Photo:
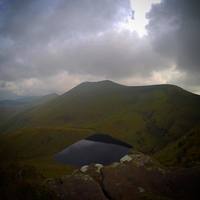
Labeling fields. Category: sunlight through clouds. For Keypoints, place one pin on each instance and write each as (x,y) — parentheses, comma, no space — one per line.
(140,8)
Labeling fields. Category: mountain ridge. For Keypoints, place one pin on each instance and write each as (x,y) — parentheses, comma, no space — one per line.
(106,83)
(150,118)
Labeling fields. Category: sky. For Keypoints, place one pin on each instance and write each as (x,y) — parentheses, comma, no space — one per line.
(49,46)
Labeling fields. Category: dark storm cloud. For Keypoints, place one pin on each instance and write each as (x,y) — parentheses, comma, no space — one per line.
(174,28)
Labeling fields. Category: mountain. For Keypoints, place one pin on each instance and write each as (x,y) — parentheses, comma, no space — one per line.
(4,95)
(160,120)
(11,107)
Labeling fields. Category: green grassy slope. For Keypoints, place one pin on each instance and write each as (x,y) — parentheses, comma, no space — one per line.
(36,147)
(10,108)
(148,117)
(183,152)
(154,113)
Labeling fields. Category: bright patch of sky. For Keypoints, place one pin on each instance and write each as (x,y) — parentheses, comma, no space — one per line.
(139,21)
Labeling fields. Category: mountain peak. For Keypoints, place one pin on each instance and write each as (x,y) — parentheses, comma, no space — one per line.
(103,82)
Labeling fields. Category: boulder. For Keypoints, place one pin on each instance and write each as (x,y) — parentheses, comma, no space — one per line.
(77,187)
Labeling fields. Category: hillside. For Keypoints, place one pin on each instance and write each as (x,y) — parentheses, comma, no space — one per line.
(11,107)
(148,117)
(162,121)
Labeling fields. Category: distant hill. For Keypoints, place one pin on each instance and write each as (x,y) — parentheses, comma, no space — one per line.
(4,95)
(154,119)
(10,107)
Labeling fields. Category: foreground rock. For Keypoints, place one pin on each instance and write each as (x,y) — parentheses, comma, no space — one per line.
(135,177)
(77,187)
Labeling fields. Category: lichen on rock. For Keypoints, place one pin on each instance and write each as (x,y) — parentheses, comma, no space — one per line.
(99,167)
(84,168)
(126,158)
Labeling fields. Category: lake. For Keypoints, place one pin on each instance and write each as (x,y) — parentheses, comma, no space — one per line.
(98,148)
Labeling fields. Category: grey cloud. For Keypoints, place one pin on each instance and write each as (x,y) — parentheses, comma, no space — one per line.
(74,36)
(42,40)
(29,27)
(112,55)
(115,55)
(174,28)
(49,18)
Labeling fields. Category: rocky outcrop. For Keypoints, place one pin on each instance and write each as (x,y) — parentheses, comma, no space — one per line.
(77,187)
(135,177)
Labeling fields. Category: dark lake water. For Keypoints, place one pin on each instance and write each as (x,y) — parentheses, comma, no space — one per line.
(103,150)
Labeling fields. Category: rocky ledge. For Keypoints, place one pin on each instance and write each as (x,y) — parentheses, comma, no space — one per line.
(135,177)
